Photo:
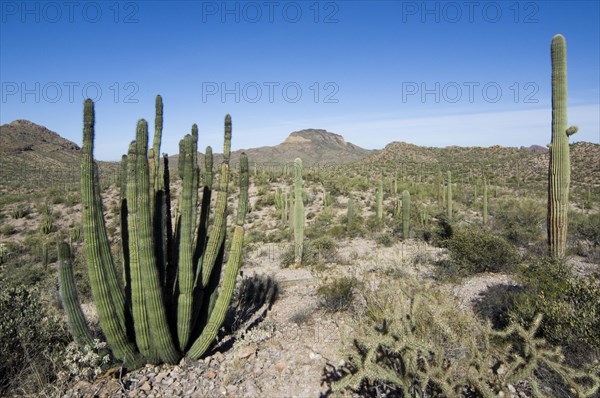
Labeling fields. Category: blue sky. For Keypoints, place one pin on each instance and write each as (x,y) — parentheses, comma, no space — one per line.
(429,73)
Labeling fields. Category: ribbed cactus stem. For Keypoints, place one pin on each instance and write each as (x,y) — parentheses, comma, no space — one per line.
(68,295)
(227,143)
(298,212)
(157,316)
(186,272)
(559,171)
(244,183)
(109,299)
(449,196)
(133,268)
(217,316)
(405,214)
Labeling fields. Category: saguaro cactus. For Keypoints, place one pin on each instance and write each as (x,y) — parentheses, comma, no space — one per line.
(170,305)
(449,196)
(298,212)
(405,214)
(559,171)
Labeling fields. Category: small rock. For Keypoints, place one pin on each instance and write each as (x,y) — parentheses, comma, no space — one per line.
(219,357)
(211,374)
(512,389)
(246,351)
(145,386)
(280,366)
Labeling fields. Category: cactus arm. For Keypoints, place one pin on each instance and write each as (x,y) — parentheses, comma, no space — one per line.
(157,318)
(138,304)
(68,294)
(109,299)
(244,182)
(218,232)
(185,265)
(217,316)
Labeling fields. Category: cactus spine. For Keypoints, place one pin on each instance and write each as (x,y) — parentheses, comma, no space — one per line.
(405,214)
(180,311)
(559,172)
(449,196)
(298,212)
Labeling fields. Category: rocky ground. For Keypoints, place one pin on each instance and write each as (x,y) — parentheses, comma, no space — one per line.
(286,353)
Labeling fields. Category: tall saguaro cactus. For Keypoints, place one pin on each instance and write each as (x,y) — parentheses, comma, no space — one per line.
(298,212)
(175,298)
(559,171)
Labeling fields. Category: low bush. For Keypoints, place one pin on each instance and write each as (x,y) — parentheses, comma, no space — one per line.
(474,250)
(569,303)
(337,295)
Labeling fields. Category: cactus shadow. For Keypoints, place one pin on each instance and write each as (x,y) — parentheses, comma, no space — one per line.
(253,298)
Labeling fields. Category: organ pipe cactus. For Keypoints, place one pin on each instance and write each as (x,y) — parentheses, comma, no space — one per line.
(174,300)
(68,294)
(298,212)
(559,171)
(405,214)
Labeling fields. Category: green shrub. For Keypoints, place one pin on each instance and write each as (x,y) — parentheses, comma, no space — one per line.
(521,221)
(337,295)
(385,239)
(7,229)
(30,339)
(569,303)
(473,250)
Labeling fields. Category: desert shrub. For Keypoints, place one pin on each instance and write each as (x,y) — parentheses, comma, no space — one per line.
(337,295)
(8,229)
(569,303)
(19,211)
(315,252)
(473,250)
(584,235)
(385,239)
(30,339)
(83,363)
(522,221)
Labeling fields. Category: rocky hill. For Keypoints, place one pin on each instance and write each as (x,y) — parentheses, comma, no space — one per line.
(33,156)
(525,164)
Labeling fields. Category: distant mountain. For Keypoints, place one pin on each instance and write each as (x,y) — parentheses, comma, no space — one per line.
(33,156)
(311,145)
